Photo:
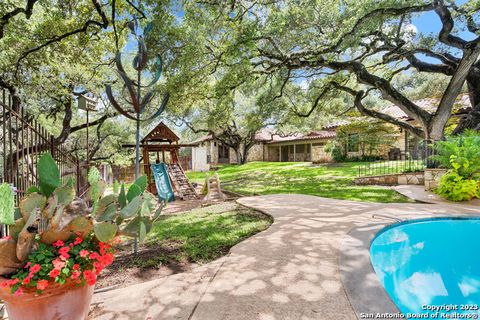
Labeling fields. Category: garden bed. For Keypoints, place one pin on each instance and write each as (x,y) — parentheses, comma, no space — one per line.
(179,242)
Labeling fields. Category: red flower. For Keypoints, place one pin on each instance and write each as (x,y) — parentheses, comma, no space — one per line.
(35,268)
(58,243)
(84,253)
(42,284)
(106,259)
(90,277)
(54,273)
(98,267)
(94,255)
(103,246)
(76,266)
(75,274)
(58,264)
(78,240)
(18,292)
(26,280)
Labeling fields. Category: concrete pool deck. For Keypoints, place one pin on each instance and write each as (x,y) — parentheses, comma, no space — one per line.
(289,271)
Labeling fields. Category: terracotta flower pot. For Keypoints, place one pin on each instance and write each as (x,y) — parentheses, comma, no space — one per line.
(57,302)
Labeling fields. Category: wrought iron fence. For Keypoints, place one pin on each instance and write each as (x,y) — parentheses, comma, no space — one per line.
(378,168)
(408,164)
(22,141)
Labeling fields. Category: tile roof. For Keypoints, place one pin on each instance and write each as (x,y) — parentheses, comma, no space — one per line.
(322,134)
(462,104)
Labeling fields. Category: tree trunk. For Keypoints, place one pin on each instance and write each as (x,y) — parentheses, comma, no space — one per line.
(472,119)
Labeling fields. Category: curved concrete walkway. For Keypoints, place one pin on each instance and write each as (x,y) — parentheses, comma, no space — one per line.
(289,271)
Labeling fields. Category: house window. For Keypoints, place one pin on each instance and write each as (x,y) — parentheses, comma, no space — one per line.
(353,143)
(215,144)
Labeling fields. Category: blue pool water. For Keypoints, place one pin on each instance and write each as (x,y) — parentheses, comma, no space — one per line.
(428,264)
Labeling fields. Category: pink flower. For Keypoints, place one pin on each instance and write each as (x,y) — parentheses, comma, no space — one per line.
(7,238)
(64,253)
(42,284)
(27,265)
(84,253)
(58,264)
(58,243)
(75,274)
(35,268)
(19,292)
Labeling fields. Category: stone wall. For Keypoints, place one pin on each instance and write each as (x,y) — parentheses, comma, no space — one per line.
(255,153)
(432,177)
(319,155)
(392,179)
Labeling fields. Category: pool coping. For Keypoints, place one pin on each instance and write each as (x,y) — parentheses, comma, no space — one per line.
(362,287)
(364,291)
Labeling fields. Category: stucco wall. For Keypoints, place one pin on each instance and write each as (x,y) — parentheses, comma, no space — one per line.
(199,158)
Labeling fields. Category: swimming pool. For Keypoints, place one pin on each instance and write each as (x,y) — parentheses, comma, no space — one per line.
(430,265)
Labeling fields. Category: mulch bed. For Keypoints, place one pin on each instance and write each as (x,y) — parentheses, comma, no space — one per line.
(152,261)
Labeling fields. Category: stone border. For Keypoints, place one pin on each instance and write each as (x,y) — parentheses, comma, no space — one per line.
(362,287)
(392,179)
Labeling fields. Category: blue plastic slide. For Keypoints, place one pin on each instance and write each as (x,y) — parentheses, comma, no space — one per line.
(162,182)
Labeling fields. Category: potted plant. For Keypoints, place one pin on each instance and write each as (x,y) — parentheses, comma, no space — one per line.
(58,243)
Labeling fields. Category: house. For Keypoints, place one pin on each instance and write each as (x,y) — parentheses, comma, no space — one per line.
(310,147)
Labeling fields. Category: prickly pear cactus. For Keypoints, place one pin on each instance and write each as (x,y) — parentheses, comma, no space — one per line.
(53,212)
(7,207)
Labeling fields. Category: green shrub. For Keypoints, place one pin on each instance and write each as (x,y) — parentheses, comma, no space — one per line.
(454,187)
(460,153)
(336,150)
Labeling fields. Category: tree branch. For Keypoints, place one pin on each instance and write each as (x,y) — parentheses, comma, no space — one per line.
(103,24)
(9,15)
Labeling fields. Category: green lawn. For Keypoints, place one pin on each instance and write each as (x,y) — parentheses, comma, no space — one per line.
(325,180)
(176,241)
(205,234)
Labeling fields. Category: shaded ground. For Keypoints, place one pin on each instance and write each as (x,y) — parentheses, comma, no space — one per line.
(324,180)
(289,271)
(180,241)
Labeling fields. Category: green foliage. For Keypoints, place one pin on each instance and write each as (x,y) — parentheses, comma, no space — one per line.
(133,192)
(48,174)
(94,181)
(105,231)
(116,187)
(336,150)
(364,137)
(460,153)
(7,206)
(454,187)
(122,197)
